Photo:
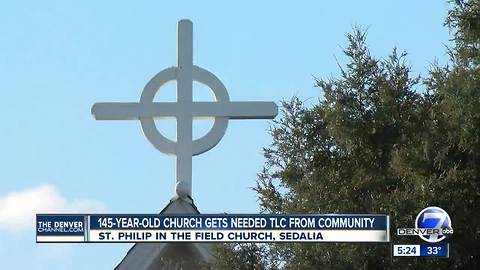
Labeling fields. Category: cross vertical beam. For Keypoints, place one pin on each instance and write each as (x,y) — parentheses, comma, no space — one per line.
(184,99)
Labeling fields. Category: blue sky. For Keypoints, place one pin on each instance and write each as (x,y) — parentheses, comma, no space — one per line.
(57,58)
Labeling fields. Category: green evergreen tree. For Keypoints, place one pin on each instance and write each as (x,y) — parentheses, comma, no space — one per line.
(453,141)
(375,143)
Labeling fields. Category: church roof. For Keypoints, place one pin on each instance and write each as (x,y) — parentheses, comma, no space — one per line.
(153,256)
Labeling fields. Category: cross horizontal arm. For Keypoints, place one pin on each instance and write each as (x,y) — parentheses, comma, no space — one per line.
(236,110)
(232,110)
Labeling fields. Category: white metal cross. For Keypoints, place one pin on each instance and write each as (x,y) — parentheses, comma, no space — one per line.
(184,110)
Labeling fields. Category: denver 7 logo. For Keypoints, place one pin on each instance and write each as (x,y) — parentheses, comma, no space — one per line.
(436,219)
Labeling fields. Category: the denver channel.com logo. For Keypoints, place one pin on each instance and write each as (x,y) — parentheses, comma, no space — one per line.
(432,225)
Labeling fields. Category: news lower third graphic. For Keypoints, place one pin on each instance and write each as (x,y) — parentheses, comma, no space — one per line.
(212,228)
(432,224)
